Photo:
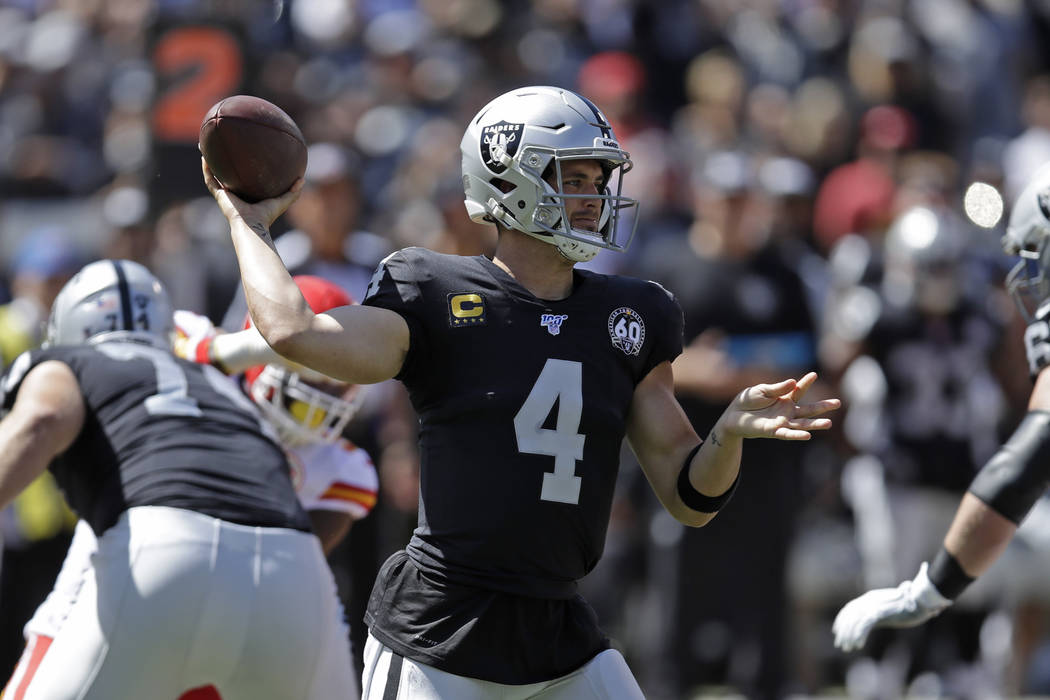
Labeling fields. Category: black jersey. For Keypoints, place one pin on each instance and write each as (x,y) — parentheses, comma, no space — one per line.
(523,406)
(160,431)
(943,403)
(1037,341)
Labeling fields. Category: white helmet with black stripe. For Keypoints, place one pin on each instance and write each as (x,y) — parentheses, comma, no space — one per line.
(111,300)
(516,145)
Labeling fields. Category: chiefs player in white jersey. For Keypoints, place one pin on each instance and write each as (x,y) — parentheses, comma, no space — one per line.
(335,480)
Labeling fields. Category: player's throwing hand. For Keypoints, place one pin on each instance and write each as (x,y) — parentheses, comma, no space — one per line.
(264,212)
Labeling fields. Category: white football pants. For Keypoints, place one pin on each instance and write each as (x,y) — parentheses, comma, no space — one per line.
(388,676)
(175,600)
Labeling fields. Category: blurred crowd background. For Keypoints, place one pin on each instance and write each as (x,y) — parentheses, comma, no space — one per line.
(801,166)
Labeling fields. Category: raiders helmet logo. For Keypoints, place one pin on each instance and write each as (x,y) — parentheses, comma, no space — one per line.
(1044,203)
(499,140)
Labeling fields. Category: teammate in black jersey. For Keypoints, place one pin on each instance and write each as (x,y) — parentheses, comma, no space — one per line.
(526,374)
(1009,484)
(206,572)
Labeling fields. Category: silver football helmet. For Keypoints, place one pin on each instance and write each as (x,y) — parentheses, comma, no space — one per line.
(1028,235)
(923,251)
(111,300)
(526,134)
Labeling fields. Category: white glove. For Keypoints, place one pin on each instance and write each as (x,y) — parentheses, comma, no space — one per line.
(194,334)
(909,604)
(198,340)
(238,351)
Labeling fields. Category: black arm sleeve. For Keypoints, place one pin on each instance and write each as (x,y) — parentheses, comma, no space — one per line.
(1018,474)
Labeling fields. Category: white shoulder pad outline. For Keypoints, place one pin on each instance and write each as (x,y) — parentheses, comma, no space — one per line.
(15,374)
(377,276)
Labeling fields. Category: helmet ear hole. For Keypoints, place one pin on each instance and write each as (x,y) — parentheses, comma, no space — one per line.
(502,185)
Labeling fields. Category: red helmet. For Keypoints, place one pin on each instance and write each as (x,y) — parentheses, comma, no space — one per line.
(305,406)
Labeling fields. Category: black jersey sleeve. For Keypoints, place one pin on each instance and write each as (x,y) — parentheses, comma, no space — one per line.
(395,285)
(668,339)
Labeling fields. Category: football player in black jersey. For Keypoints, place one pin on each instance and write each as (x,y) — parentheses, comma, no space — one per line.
(1009,484)
(526,374)
(206,572)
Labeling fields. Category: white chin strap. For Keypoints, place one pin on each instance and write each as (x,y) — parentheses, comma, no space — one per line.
(571,249)
(575,250)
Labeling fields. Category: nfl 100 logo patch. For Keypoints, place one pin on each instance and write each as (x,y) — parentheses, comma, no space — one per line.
(553,322)
(627,330)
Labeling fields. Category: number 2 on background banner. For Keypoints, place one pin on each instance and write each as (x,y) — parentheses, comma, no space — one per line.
(199,65)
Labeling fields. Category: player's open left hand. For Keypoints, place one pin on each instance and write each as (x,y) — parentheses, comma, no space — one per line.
(232,206)
(774,411)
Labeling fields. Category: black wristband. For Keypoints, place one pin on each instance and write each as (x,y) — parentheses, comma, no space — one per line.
(696,500)
(947,575)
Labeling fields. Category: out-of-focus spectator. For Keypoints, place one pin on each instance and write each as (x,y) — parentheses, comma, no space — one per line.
(857,197)
(1031,148)
(820,123)
(618,83)
(325,240)
(715,88)
(36,528)
(44,261)
(786,187)
(126,211)
(193,259)
(747,319)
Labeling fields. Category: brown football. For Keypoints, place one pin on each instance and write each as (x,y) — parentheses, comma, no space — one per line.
(253,147)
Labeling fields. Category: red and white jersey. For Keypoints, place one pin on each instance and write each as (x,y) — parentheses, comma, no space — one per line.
(334,476)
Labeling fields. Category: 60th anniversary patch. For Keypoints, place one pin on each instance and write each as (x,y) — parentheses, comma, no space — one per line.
(627,330)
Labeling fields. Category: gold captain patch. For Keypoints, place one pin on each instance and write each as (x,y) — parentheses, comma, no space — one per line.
(466,309)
